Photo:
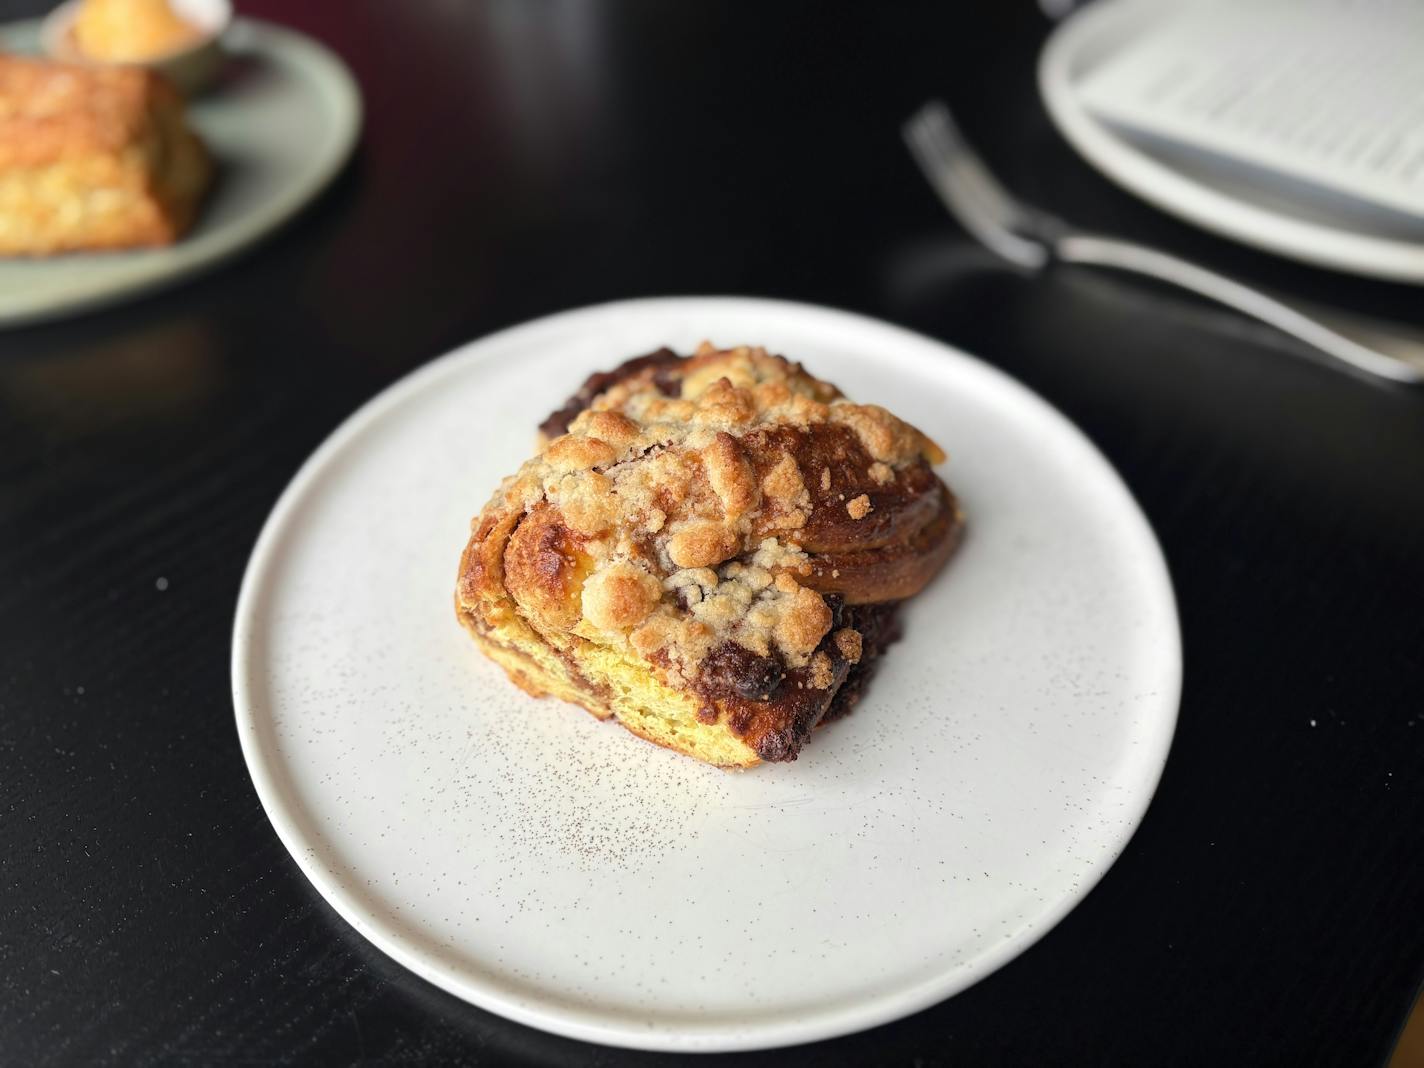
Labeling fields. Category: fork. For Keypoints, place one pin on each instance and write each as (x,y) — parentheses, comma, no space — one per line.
(1032,239)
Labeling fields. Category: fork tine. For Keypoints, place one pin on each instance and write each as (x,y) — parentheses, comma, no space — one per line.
(936,158)
(940,162)
(982,207)
(975,175)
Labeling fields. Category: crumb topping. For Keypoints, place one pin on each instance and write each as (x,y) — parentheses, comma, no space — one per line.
(682,502)
(849,643)
(859,507)
(823,673)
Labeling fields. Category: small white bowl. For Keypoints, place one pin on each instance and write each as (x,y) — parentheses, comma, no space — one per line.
(191,68)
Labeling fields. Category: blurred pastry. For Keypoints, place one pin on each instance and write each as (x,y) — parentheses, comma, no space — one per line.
(93,158)
(182,42)
(130,31)
(710,550)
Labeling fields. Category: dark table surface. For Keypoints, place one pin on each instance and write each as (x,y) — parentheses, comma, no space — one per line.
(521,158)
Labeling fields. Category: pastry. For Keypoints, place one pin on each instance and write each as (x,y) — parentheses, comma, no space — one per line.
(93,158)
(708,549)
(131,31)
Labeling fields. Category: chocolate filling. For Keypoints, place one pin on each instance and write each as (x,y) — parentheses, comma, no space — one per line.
(774,708)
(663,363)
(879,627)
(731,670)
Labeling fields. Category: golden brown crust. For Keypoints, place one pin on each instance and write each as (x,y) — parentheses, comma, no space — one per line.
(131,31)
(680,558)
(93,158)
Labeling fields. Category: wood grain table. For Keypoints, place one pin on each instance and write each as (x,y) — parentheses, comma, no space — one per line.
(521,158)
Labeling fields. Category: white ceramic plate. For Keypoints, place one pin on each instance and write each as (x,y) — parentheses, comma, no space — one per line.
(566,874)
(1192,187)
(279,129)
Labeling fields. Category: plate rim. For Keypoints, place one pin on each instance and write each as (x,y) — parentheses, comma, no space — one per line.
(337,84)
(1183,197)
(596,1026)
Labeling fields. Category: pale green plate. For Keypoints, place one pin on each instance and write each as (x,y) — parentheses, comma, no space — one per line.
(279,127)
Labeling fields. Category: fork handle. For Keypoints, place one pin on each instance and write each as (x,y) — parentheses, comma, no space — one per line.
(1344,341)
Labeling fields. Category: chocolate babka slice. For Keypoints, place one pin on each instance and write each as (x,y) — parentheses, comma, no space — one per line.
(709,549)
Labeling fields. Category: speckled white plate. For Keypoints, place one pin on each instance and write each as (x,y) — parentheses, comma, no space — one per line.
(280,124)
(564,873)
